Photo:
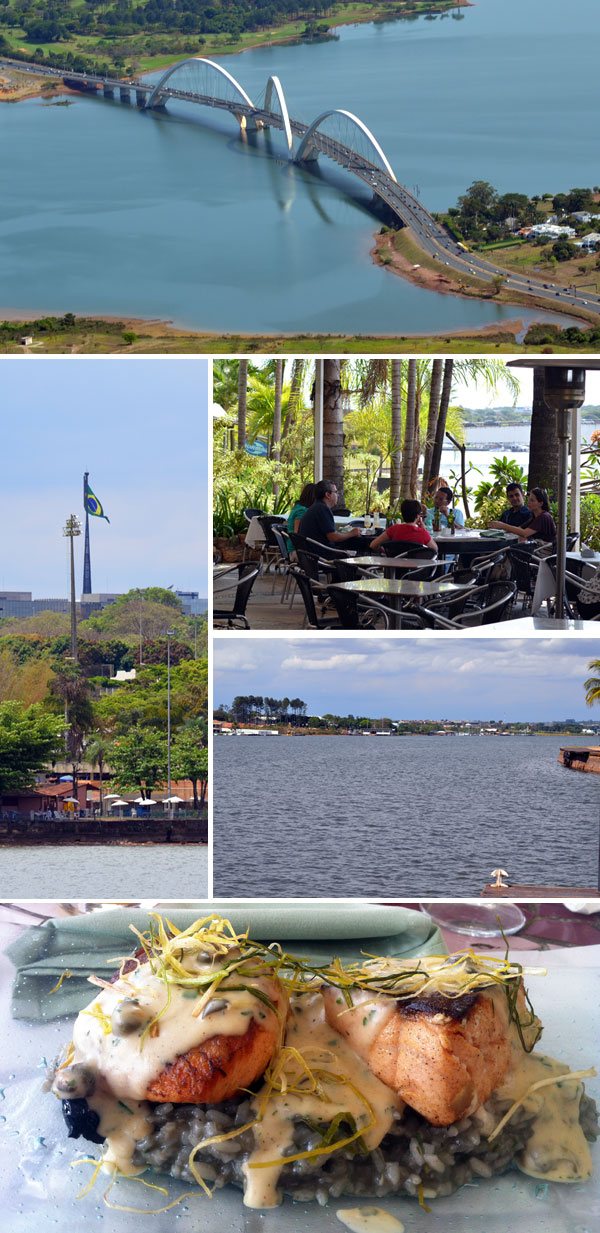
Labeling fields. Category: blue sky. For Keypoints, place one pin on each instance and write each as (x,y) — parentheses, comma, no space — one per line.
(139,426)
(439,678)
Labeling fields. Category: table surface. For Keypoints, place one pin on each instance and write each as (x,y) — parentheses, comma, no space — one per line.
(468,535)
(530,625)
(401,586)
(392,562)
(233,569)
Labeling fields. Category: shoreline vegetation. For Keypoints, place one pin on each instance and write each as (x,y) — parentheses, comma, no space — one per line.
(406,731)
(102,335)
(168,45)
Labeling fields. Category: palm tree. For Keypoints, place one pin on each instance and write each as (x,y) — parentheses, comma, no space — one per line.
(395,465)
(435,395)
(592,685)
(72,691)
(440,429)
(333,425)
(242,403)
(277,409)
(410,432)
(96,751)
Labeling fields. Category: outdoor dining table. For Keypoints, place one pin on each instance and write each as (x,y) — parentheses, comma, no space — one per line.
(395,590)
(467,542)
(518,626)
(392,564)
(545,583)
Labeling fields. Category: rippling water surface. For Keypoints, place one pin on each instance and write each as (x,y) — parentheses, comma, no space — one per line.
(394,817)
(100,872)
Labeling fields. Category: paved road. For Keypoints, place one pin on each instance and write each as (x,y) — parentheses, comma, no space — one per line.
(429,235)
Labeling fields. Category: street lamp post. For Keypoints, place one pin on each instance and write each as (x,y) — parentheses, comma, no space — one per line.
(170,634)
(564,393)
(71,530)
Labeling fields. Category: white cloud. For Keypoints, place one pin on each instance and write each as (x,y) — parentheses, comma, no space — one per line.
(332,662)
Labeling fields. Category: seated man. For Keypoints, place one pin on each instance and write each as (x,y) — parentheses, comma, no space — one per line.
(442,507)
(540,524)
(318,521)
(517,514)
(409,531)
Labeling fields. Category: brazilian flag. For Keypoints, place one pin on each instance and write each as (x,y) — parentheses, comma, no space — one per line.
(91,503)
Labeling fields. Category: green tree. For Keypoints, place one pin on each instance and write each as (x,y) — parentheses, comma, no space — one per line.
(29,739)
(70,690)
(139,760)
(563,249)
(189,760)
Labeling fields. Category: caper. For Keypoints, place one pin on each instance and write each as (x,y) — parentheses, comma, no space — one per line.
(74,1082)
(128,1016)
(212,1007)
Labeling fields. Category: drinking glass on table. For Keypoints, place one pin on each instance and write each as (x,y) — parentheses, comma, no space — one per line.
(479,919)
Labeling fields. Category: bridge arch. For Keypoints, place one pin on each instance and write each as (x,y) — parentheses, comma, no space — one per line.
(274,85)
(307,148)
(155,97)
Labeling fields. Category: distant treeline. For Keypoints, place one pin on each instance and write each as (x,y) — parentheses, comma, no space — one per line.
(256,709)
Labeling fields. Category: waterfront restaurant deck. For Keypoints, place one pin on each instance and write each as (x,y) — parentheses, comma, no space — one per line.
(475,584)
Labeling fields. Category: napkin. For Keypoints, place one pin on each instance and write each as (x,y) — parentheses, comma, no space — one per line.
(93,943)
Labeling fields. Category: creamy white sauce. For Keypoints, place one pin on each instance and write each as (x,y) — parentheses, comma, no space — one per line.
(361,1023)
(127,1065)
(369,1220)
(309,1032)
(124,1066)
(557,1149)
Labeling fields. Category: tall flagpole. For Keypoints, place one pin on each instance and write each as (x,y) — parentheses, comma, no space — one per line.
(87,564)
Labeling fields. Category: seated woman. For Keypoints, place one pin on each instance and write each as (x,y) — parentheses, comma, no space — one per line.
(541,525)
(409,531)
(442,507)
(305,500)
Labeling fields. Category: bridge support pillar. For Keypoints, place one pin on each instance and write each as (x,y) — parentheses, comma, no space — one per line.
(125,94)
(311,157)
(108,91)
(140,98)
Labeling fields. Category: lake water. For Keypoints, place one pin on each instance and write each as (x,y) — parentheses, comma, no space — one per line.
(485,444)
(163,871)
(105,210)
(395,817)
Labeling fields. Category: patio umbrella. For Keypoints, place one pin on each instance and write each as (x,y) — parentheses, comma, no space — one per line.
(173,800)
(109,795)
(118,804)
(142,800)
(70,800)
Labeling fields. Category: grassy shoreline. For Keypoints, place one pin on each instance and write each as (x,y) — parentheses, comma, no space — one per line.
(107,336)
(177,46)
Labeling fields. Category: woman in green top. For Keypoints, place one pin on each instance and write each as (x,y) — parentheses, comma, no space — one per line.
(305,500)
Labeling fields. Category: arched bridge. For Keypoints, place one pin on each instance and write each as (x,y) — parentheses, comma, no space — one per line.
(338,135)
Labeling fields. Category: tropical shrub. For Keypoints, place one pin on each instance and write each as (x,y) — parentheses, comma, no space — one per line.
(503,471)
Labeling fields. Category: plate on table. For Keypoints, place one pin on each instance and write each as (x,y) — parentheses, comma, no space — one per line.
(39,1187)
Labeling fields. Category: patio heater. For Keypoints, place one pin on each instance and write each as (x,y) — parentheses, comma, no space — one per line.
(564,392)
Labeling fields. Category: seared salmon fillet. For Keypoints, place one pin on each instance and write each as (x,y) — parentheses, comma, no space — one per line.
(444,1056)
(217,1069)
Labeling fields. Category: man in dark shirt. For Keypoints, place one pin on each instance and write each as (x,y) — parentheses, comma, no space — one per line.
(517,514)
(318,521)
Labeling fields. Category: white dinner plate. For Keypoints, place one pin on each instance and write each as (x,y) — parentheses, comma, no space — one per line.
(38,1187)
